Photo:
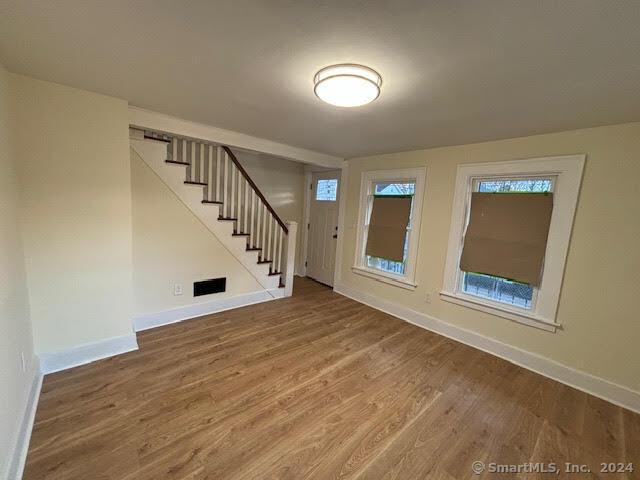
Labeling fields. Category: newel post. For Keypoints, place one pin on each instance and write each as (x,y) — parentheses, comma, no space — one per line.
(290,257)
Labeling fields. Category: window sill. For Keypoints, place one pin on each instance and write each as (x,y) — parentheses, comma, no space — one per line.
(381,277)
(523,317)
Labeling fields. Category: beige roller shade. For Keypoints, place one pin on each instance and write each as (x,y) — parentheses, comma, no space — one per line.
(388,227)
(507,235)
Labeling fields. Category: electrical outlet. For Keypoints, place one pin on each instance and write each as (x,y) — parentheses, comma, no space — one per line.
(177,289)
(428,297)
(23,362)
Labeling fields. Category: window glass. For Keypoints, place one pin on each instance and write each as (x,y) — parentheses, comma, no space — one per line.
(500,289)
(393,189)
(516,185)
(327,190)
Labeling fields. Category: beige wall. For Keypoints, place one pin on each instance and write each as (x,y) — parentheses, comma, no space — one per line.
(282,183)
(76,216)
(170,245)
(599,299)
(15,325)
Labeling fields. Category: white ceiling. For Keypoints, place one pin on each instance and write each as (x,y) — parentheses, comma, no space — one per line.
(454,71)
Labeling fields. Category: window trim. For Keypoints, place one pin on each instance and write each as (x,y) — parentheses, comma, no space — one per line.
(367,180)
(567,171)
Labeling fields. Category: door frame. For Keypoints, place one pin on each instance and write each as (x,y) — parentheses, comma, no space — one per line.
(306,216)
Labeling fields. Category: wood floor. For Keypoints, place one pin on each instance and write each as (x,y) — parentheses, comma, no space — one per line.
(314,386)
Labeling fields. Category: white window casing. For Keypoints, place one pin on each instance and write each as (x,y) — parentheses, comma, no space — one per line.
(368,180)
(567,174)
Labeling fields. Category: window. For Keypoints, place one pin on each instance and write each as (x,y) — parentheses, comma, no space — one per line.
(327,190)
(498,289)
(393,190)
(391,184)
(511,299)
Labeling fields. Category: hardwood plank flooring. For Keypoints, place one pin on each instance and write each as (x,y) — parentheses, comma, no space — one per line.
(316,386)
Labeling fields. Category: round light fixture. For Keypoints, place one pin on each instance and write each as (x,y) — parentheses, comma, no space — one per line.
(347,85)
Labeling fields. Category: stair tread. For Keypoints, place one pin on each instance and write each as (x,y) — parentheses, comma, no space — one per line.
(157,139)
(260,262)
(176,162)
(228,219)
(188,182)
(240,234)
(253,249)
(212,202)
(275,273)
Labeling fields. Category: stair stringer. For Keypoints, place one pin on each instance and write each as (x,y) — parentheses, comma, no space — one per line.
(154,154)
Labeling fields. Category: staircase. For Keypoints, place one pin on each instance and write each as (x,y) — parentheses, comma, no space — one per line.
(212,183)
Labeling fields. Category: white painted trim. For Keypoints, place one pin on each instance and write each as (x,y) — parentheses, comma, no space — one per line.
(586,382)
(166,317)
(21,447)
(142,118)
(367,179)
(306,212)
(87,353)
(342,213)
(567,171)
(384,277)
(520,316)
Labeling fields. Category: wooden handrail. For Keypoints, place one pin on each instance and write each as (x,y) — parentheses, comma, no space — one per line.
(255,188)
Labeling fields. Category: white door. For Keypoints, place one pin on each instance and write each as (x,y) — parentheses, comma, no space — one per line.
(323,226)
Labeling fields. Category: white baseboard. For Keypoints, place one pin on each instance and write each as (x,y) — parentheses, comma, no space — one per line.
(90,352)
(21,447)
(586,382)
(152,320)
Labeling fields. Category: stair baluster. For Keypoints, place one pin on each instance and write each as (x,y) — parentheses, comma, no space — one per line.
(265,251)
(252,241)
(280,235)
(257,234)
(218,167)
(192,161)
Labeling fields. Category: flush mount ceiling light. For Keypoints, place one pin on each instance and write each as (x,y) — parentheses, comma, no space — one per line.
(347,85)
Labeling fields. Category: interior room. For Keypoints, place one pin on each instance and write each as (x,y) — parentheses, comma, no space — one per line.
(318,240)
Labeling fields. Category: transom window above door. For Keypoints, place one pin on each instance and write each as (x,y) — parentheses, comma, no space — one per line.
(389,225)
(327,190)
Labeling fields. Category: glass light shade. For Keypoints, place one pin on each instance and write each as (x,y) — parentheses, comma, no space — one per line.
(347,85)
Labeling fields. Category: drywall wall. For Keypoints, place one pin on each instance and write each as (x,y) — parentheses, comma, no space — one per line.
(171,246)
(76,216)
(15,324)
(598,304)
(282,183)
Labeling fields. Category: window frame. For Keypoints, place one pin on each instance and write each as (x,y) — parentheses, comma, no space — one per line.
(475,187)
(367,181)
(567,174)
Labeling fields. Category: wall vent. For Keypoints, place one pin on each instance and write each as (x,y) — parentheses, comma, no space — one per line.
(207,287)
